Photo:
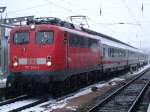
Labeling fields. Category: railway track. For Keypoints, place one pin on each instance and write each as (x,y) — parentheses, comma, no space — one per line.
(127,97)
(2,93)
(26,102)
(13,100)
(21,103)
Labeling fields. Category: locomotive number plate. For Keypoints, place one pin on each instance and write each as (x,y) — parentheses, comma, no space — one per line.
(32,67)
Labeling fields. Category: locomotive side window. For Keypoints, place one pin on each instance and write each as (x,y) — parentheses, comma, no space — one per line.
(83,41)
(70,40)
(92,43)
(21,37)
(44,37)
(74,40)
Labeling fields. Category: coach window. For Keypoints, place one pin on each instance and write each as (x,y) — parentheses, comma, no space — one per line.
(109,52)
(103,52)
(113,52)
(44,37)
(21,37)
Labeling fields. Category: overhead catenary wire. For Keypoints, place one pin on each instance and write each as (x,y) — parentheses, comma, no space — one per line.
(100,10)
(69,2)
(142,7)
(81,7)
(61,7)
(75,13)
(90,19)
(130,11)
(72,11)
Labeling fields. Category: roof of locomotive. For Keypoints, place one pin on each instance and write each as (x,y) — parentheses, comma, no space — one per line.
(59,22)
(55,22)
(109,42)
(106,40)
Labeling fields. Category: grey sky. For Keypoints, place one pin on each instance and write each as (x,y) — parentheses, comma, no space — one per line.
(135,31)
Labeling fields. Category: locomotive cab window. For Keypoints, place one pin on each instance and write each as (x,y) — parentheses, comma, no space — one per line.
(44,37)
(21,38)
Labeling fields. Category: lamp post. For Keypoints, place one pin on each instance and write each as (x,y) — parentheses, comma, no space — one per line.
(2,9)
(2,34)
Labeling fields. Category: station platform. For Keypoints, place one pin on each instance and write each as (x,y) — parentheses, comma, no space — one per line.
(2,80)
(148,110)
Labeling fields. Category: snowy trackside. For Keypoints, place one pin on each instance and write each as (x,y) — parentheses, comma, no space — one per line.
(56,104)
(2,83)
(148,110)
(2,80)
(15,105)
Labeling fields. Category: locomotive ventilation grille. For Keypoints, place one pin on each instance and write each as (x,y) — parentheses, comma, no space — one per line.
(25,61)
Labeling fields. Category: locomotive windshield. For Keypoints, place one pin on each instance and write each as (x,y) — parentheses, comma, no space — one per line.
(21,37)
(44,37)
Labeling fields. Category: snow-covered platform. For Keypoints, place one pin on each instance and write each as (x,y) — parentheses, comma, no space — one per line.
(2,80)
(2,83)
(148,110)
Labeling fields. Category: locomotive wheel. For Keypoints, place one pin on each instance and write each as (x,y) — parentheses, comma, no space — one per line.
(9,89)
(58,89)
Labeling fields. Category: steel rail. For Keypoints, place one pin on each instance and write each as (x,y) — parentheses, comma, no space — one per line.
(105,100)
(13,100)
(138,99)
(42,100)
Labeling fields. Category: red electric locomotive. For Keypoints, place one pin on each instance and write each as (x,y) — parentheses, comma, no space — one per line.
(44,52)
(51,52)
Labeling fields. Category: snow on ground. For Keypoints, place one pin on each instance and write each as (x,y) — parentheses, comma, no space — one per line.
(2,83)
(117,79)
(148,110)
(3,80)
(142,69)
(54,104)
(15,105)
(73,108)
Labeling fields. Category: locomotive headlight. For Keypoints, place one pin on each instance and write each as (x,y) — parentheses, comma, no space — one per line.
(32,26)
(49,63)
(15,64)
